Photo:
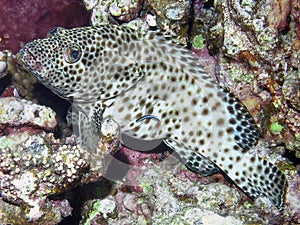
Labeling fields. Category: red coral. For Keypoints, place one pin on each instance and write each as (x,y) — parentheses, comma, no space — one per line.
(24,21)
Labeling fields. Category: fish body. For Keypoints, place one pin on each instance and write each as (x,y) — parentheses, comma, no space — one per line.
(155,90)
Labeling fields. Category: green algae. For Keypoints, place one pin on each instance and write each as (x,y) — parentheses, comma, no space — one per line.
(276,128)
(198,41)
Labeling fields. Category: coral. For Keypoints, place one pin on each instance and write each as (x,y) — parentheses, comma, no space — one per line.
(125,10)
(97,211)
(24,82)
(11,214)
(3,64)
(172,17)
(105,11)
(27,20)
(16,112)
(291,90)
(257,49)
(26,86)
(292,209)
(138,24)
(99,13)
(30,161)
(35,165)
(90,4)
(247,31)
(166,196)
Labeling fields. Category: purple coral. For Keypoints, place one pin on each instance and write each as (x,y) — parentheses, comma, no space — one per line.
(24,21)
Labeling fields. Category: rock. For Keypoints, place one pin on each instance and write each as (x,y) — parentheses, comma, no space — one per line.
(34,165)
(16,113)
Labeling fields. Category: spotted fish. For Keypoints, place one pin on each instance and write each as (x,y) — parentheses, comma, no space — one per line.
(114,72)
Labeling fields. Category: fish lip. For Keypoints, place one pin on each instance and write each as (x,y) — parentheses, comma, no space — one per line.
(31,62)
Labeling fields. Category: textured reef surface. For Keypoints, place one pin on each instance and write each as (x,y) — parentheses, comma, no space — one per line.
(24,21)
(250,47)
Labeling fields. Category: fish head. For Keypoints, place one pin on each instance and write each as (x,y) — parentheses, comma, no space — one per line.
(63,59)
(84,64)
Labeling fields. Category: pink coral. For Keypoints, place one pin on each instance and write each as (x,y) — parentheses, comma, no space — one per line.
(23,21)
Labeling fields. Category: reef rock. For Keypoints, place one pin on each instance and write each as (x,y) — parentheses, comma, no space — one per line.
(34,165)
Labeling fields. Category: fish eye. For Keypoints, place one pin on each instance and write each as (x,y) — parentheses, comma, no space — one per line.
(72,54)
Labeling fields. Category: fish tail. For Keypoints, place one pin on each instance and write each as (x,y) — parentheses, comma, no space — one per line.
(257,177)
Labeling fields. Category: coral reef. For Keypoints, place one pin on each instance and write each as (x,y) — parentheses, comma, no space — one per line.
(165,193)
(112,10)
(172,17)
(3,64)
(16,112)
(97,211)
(34,168)
(24,82)
(35,165)
(251,47)
(256,46)
(12,214)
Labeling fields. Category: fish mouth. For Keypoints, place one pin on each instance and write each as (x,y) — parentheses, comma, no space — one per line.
(31,62)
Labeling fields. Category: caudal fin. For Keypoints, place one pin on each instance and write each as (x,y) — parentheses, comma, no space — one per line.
(258,178)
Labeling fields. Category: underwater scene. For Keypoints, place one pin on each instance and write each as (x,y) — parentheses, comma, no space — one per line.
(152,112)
